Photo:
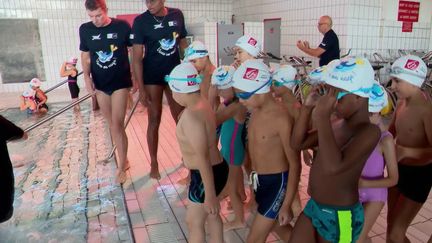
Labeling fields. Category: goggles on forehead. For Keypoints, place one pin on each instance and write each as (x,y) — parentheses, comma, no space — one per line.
(247,95)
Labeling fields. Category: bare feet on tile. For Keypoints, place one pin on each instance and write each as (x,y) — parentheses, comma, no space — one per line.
(154,171)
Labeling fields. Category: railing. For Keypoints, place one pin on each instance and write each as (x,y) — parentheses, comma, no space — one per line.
(43,121)
(59,84)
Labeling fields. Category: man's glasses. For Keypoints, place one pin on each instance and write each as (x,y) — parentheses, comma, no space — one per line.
(247,95)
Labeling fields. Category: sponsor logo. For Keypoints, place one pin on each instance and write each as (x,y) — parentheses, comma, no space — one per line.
(252,41)
(412,64)
(251,74)
(112,36)
(96,37)
(158,26)
(172,23)
(191,83)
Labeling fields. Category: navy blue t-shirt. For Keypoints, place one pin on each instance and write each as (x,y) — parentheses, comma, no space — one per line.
(108,45)
(160,36)
(330,44)
(8,131)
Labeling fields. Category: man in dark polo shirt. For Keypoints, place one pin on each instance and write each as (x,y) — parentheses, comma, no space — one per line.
(328,50)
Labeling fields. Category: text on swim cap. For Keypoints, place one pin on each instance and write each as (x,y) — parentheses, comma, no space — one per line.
(251,74)
(412,64)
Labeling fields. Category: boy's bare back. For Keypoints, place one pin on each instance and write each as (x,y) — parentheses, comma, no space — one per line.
(198,126)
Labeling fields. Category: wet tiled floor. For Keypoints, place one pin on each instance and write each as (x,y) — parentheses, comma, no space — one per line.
(64,193)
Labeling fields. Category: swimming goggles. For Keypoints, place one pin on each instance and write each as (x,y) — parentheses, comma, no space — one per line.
(191,51)
(196,79)
(279,83)
(343,93)
(247,95)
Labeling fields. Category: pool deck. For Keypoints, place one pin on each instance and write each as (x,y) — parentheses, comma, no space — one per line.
(157,208)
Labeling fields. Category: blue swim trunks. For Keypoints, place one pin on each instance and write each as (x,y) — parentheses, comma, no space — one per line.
(334,223)
(196,188)
(270,190)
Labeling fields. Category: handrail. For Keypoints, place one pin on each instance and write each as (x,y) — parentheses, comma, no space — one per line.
(37,124)
(127,122)
(60,84)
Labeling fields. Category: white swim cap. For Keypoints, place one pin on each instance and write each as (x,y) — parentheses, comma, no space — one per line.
(29,93)
(318,75)
(222,77)
(409,68)
(352,74)
(250,44)
(195,50)
(72,60)
(378,98)
(253,76)
(35,82)
(285,75)
(184,78)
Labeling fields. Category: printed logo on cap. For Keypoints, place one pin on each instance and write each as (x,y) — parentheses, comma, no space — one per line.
(252,41)
(191,83)
(412,64)
(346,65)
(251,74)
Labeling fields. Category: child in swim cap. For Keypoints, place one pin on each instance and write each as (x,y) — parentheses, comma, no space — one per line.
(373,184)
(40,96)
(197,139)
(276,165)
(68,69)
(343,149)
(28,101)
(247,47)
(411,126)
(231,115)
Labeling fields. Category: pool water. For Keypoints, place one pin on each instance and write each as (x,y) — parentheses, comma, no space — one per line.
(63,192)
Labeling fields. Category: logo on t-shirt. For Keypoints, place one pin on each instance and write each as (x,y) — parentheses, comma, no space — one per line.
(168,46)
(412,64)
(251,74)
(96,37)
(158,26)
(252,41)
(112,36)
(106,60)
(172,23)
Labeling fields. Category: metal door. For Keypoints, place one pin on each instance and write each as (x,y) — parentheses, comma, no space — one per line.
(272,37)
(227,34)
